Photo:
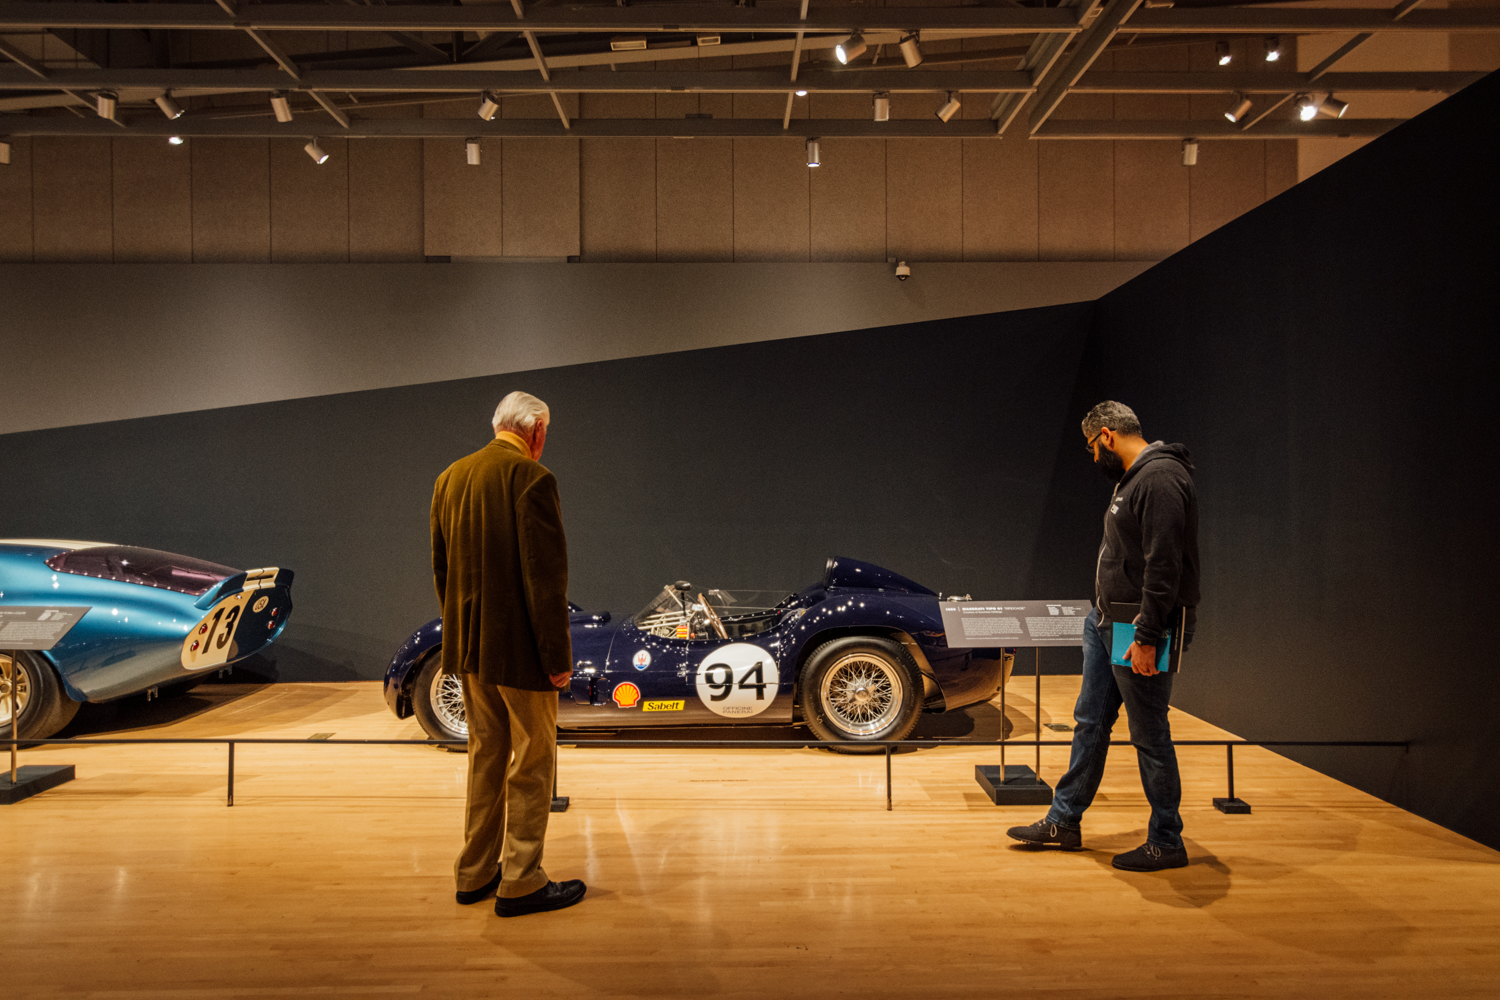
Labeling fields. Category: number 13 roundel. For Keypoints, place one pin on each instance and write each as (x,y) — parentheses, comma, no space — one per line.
(738,680)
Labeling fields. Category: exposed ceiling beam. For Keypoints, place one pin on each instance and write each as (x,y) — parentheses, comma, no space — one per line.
(437,17)
(687,128)
(21,15)
(1037,63)
(1051,89)
(1211,82)
(39,72)
(149,82)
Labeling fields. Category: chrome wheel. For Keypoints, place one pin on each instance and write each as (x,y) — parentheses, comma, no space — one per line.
(447,700)
(862,694)
(22,685)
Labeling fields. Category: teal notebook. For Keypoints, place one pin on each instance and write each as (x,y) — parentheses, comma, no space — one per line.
(1124,635)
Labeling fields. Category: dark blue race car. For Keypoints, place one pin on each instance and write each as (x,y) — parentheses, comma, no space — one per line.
(858,656)
(155,621)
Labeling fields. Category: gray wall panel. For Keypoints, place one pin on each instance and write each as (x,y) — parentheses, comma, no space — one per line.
(253,333)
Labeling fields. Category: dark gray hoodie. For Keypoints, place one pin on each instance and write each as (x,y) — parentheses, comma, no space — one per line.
(1149,555)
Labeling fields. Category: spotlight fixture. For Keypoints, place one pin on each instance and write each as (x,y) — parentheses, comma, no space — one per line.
(471,152)
(882,107)
(1307,107)
(950,108)
(282,105)
(175,140)
(169,107)
(1273,48)
(911,51)
(488,105)
(801,93)
(1190,152)
(105,102)
(627,43)
(902,271)
(1221,50)
(4,154)
(850,48)
(706,40)
(315,151)
(1332,107)
(1239,109)
(812,153)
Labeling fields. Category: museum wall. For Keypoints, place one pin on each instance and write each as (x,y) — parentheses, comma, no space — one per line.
(925,447)
(1328,360)
(128,335)
(644,200)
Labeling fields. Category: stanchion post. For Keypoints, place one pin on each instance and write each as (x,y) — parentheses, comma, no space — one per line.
(15,714)
(1036,665)
(887,777)
(231,772)
(1004,718)
(1231,805)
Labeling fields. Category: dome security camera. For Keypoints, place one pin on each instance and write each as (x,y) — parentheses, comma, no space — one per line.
(902,271)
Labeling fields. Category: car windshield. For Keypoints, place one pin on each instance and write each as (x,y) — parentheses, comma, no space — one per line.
(680,612)
(147,567)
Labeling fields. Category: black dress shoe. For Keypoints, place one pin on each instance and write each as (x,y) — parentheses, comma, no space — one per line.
(1045,834)
(471,896)
(1151,857)
(552,896)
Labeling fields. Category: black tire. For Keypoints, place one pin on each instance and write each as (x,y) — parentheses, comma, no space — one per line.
(45,706)
(860,689)
(437,702)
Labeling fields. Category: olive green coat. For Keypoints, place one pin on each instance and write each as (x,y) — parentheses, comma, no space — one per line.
(500,562)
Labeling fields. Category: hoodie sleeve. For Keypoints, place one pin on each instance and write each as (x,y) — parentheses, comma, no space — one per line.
(1163,520)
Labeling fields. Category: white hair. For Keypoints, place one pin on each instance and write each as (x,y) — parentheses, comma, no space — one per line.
(519,412)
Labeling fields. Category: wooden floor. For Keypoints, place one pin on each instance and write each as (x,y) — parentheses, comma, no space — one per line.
(745,873)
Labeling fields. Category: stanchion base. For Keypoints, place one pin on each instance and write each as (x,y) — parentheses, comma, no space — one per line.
(1020,786)
(1235,807)
(559,803)
(31,780)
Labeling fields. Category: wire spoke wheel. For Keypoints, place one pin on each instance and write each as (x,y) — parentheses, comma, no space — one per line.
(447,699)
(861,694)
(21,678)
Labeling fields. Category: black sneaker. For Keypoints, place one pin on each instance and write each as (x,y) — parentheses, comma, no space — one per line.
(1151,857)
(1044,833)
(468,897)
(552,896)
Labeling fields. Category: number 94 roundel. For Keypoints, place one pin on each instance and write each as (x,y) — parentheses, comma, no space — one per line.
(738,680)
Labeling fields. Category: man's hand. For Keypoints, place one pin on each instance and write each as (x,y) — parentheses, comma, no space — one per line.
(561,680)
(1142,659)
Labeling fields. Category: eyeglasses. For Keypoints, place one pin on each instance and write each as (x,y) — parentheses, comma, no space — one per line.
(1090,446)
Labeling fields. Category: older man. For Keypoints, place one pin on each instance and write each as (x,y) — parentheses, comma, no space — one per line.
(500,562)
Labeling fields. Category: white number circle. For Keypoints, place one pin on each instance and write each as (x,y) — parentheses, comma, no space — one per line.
(738,680)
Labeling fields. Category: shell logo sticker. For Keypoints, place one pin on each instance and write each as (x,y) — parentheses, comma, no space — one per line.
(641,660)
(626,695)
(260,604)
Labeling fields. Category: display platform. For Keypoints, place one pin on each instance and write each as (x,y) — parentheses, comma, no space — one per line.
(743,872)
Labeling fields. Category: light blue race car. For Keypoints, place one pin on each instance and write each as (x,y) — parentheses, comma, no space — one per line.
(154,620)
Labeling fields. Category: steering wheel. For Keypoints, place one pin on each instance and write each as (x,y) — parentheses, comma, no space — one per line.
(713,617)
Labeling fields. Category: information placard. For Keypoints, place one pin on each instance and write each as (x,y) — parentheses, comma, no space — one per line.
(1014,623)
(36,628)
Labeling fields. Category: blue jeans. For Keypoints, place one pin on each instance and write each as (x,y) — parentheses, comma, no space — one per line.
(1105,688)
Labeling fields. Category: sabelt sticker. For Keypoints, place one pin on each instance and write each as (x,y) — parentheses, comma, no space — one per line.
(738,680)
(626,695)
(641,660)
(663,706)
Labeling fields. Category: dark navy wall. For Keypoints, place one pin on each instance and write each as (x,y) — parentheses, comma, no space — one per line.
(926,447)
(1329,359)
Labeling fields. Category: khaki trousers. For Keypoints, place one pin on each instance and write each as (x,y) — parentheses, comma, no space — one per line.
(512,759)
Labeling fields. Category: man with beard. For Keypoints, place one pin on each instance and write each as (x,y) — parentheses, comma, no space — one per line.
(1149,559)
